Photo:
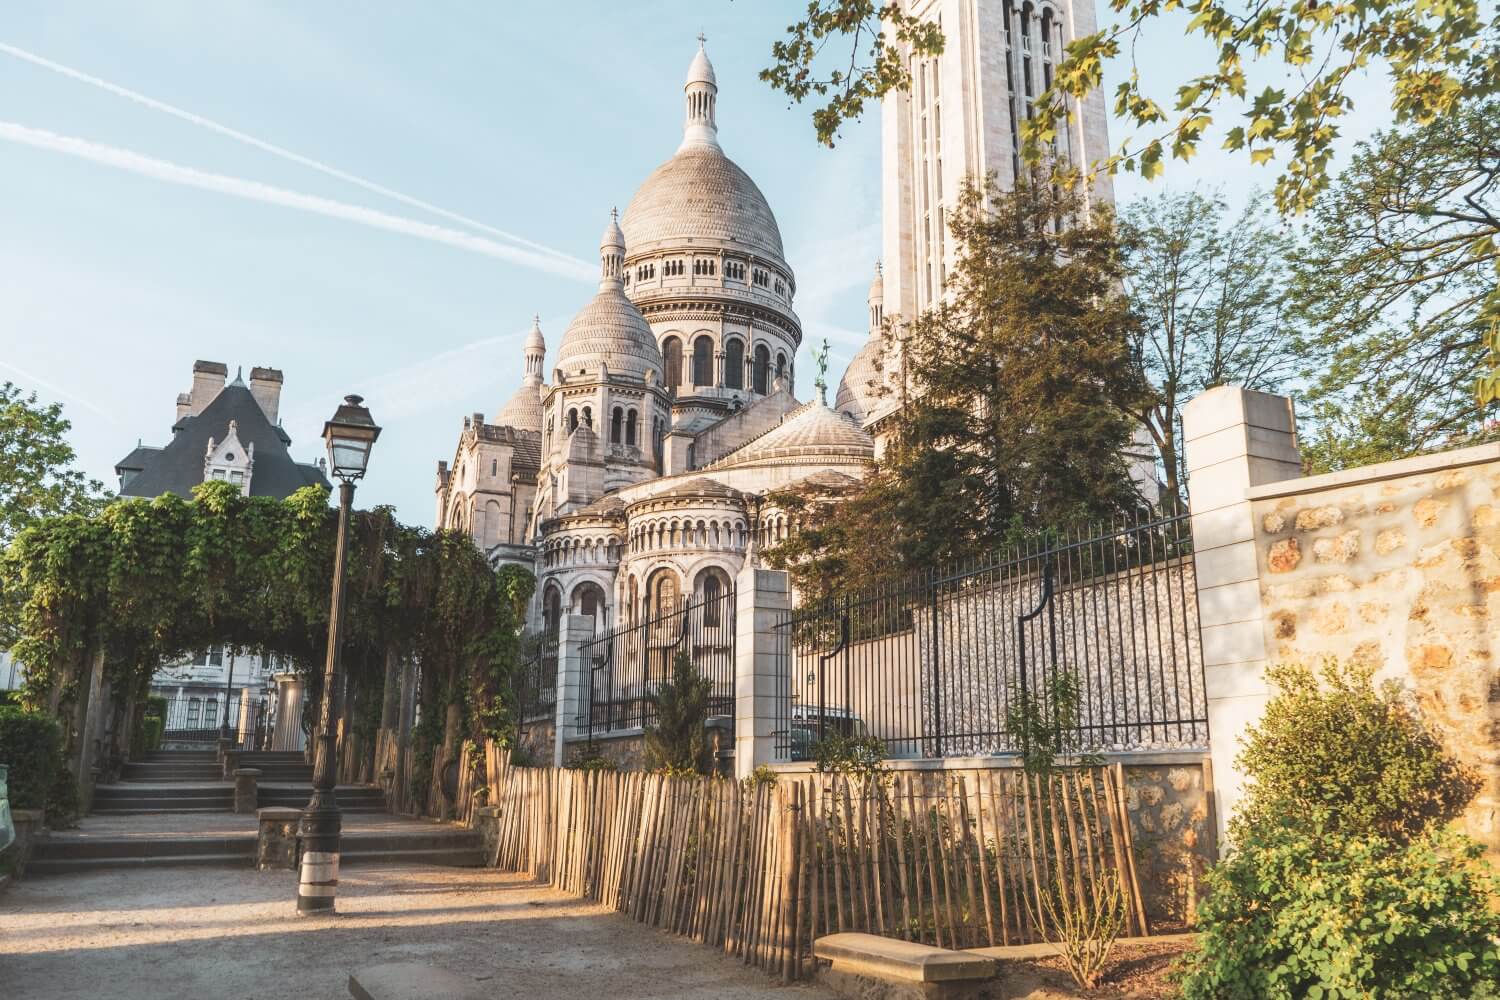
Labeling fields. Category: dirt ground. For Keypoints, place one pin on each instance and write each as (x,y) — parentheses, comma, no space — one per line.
(1136,971)
(175,934)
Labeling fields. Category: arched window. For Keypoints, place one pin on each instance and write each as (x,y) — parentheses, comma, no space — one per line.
(552,610)
(734,364)
(780,365)
(662,594)
(761,375)
(616,422)
(671,350)
(630,428)
(572,421)
(633,608)
(589,600)
(703,361)
(588,418)
(712,592)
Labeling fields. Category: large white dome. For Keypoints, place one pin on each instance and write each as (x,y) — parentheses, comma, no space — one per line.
(700,196)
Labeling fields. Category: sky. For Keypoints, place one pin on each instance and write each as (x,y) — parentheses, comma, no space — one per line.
(377,197)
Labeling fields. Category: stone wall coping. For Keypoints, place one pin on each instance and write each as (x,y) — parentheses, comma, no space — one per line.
(1416,465)
(890,958)
(277,814)
(1130,758)
(613,734)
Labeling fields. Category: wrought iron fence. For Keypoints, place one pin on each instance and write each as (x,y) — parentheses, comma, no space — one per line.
(627,666)
(199,719)
(535,683)
(1094,632)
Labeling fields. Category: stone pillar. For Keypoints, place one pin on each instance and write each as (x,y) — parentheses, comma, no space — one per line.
(289,693)
(86,713)
(763,600)
(1233,439)
(572,678)
(276,841)
(246,789)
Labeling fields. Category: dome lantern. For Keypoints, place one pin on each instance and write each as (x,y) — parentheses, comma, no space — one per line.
(700,94)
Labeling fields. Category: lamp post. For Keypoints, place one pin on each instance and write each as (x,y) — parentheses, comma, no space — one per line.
(350,435)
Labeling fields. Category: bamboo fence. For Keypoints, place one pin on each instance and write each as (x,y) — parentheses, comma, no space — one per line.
(958,859)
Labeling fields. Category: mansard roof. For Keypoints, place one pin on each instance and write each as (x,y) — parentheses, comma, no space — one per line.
(178,467)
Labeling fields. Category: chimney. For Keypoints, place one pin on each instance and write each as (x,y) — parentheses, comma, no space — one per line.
(265,386)
(208,382)
(184,404)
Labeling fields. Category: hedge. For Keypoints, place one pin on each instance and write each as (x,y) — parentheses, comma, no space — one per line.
(31,744)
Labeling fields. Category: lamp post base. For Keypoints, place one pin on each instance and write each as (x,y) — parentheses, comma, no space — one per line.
(318,883)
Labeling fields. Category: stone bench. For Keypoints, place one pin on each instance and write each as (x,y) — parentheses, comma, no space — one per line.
(412,981)
(870,966)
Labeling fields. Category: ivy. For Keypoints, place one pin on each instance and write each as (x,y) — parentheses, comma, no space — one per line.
(147,581)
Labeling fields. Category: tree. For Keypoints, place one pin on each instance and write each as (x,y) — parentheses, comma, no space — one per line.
(1020,386)
(855,22)
(37,474)
(1211,294)
(678,743)
(1397,286)
(1439,58)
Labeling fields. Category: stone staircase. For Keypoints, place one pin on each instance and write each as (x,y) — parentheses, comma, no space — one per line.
(426,844)
(192,781)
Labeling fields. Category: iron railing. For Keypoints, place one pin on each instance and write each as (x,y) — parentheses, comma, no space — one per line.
(535,683)
(627,666)
(943,664)
(199,719)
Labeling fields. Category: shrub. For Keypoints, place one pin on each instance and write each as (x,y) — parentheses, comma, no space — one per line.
(587,758)
(856,756)
(1086,919)
(1343,879)
(1338,754)
(678,742)
(31,743)
(153,726)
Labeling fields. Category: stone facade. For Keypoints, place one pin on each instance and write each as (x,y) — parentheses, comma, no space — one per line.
(1172,828)
(1397,566)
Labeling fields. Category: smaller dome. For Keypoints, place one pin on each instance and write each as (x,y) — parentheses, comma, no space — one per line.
(859,393)
(610,330)
(524,411)
(534,340)
(877,286)
(813,431)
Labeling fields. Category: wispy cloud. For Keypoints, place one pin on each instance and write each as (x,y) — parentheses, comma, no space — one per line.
(238,187)
(282,152)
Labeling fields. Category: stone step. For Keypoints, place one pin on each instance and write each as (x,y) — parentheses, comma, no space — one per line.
(72,865)
(182,791)
(137,848)
(467,857)
(181,756)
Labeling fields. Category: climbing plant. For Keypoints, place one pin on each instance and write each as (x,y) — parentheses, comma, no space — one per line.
(146,581)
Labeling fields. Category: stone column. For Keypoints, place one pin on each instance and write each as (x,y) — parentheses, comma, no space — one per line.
(86,713)
(763,600)
(572,678)
(289,691)
(1233,439)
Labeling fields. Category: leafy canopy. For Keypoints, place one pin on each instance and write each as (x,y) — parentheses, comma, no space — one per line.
(1017,394)
(850,82)
(37,474)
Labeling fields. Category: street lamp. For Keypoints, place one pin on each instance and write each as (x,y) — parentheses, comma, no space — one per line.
(350,435)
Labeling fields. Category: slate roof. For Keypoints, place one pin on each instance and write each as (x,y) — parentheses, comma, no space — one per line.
(178,467)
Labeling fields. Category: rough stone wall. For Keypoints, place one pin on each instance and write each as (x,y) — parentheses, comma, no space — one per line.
(536,741)
(1173,834)
(627,752)
(1401,572)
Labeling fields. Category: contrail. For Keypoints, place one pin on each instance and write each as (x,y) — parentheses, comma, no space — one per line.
(56,389)
(285,154)
(238,187)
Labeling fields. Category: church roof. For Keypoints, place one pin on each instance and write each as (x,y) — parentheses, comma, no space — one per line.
(859,390)
(610,330)
(524,410)
(701,196)
(606,506)
(811,431)
(178,467)
(699,487)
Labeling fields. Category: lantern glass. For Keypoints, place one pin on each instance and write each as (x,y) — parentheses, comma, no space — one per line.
(350,435)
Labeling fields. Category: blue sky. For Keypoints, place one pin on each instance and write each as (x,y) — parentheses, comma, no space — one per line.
(118,268)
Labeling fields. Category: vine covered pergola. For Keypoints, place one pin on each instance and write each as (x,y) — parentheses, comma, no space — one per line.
(144,582)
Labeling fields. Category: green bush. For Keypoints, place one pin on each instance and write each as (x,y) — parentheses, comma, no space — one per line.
(156,705)
(1344,879)
(152,726)
(678,743)
(586,759)
(31,743)
(852,755)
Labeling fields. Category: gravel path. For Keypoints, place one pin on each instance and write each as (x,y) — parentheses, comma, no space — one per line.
(165,934)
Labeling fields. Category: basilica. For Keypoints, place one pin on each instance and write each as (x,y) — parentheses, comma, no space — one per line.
(636,471)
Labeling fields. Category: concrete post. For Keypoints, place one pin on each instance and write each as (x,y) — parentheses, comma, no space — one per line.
(1233,439)
(572,678)
(288,735)
(763,600)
